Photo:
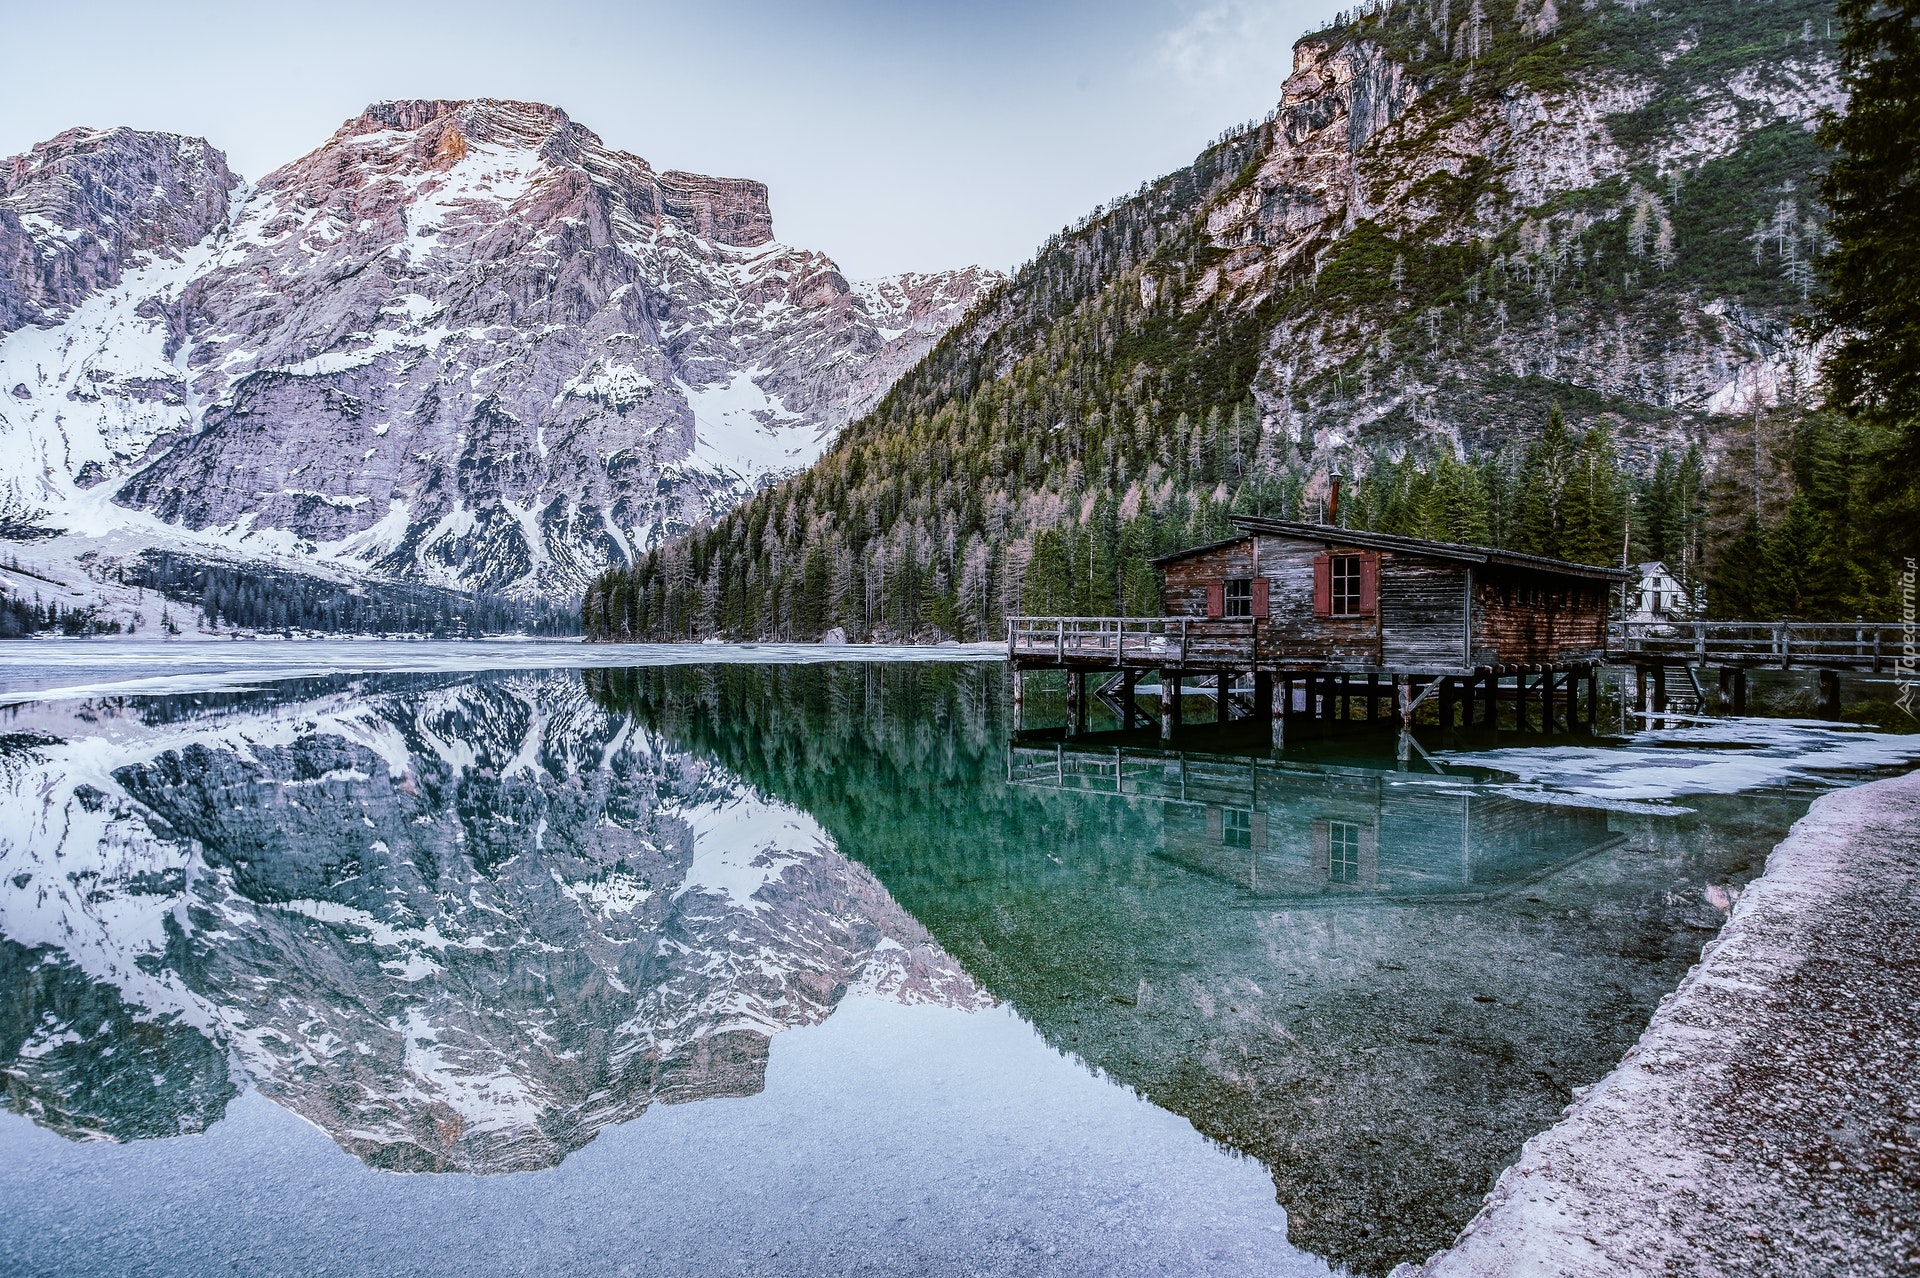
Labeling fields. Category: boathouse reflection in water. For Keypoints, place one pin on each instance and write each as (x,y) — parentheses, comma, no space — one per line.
(1326,832)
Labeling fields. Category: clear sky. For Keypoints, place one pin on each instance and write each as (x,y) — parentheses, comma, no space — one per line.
(894,136)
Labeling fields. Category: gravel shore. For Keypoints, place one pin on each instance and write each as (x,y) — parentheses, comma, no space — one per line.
(1768,1121)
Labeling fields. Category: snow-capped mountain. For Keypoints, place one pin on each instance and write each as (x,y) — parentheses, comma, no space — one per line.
(463,343)
(456,923)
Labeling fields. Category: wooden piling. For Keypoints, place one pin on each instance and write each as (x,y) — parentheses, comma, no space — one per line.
(1830,694)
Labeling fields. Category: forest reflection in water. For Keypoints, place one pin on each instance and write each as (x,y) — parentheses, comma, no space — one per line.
(1376,980)
(467,922)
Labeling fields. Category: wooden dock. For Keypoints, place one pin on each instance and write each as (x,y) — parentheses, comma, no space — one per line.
(1242,681)
(1687,654)
(1245,677)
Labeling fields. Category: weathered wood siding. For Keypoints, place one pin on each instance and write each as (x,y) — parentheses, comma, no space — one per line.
(1526,618)
(1423,612)
(1519,616)
(1185,592)
(1291,632)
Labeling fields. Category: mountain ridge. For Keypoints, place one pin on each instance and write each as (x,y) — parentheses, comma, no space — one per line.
(460,343)
(1444,229)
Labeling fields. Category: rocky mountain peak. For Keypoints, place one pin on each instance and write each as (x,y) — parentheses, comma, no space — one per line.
(78,206)
(462,342)
(731,211)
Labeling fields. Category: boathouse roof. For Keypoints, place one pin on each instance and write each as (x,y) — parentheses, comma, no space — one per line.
(1329,535)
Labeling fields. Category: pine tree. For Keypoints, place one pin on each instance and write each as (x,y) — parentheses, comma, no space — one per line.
(1541,489)
(1871,305)
(1593,504)
(1459,502)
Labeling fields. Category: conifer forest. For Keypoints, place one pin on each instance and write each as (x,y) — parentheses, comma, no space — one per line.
(1541,280)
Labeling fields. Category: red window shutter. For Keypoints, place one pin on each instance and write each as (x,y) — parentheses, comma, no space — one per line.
(1323,585)
(1260,597)
(1216,598)
(1369,584)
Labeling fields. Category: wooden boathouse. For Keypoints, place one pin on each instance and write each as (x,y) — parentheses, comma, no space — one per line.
(1321,621)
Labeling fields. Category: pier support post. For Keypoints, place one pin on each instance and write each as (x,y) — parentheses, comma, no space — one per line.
(1262,695)
(1660,689)
(1830,694)
(1129,686)
(1019,698)
(1281,706)
(1739,689)
(1593,697)
(1169,703)
(1223,684)
(1405,686)
(1076,702)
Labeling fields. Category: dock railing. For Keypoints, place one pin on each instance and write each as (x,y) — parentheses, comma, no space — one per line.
(1856,645)
(1115,641)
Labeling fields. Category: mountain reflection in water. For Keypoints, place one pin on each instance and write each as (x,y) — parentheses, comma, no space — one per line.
(458,928)
(466,922)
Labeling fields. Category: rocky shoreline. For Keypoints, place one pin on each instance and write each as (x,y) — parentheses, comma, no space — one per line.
(1768,1121)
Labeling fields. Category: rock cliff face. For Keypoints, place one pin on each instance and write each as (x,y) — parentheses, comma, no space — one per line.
(460,926)
(1630,229)
(75,210)
(460,342)
(1455,219)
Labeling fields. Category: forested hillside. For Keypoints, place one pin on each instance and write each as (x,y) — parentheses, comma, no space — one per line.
(1517,275)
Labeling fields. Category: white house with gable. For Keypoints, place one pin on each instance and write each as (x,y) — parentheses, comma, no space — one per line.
(1659,596)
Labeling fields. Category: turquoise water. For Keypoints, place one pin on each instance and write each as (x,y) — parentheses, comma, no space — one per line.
(779,968)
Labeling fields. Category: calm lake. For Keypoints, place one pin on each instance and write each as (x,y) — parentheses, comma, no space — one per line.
(772,966)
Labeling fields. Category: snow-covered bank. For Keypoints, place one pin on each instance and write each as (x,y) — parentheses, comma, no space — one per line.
(1768,1121)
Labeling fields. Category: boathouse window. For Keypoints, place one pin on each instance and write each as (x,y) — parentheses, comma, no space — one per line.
(1236,829)
(1239,596)
(1343,852)
(1345,585)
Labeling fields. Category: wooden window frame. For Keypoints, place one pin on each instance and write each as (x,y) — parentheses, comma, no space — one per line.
(1365,598)
(1238,597)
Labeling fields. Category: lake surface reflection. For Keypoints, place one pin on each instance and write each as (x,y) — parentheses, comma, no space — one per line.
(905,987)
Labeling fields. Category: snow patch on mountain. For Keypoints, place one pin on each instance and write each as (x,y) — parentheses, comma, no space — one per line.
(461,343)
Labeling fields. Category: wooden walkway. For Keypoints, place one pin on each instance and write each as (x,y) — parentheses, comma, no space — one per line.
(1225,650)
(1871,646)
(1203,643)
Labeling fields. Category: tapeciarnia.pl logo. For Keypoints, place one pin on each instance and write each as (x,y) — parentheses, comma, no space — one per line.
(1909,664)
